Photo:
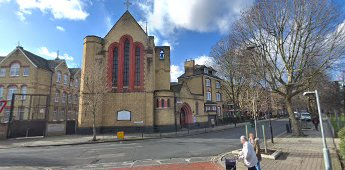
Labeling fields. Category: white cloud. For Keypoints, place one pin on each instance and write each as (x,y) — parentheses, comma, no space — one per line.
(166,43)
(2,53)
(194,15)
(21,14)
(4,1)
(204,60)
(60,28)
(175,71)
(60,9)
(108,22)
(52,55)
(178,70)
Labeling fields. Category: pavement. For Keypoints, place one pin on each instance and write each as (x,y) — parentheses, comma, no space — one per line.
(41,141)
(191,151)
(298,152)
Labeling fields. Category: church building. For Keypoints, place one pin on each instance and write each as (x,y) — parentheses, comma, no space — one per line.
(139,92)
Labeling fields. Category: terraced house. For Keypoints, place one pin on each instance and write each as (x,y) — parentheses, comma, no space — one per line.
(46,93)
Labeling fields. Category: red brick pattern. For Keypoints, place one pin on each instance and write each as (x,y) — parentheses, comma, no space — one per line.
(191,166)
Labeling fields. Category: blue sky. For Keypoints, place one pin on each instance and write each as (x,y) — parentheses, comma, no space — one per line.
(190,27)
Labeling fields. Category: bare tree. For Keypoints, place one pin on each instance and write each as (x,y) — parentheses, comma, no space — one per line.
(233,66)
(95,85)
(292,41)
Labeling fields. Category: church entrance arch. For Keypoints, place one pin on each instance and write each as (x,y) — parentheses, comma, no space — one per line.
(185,115)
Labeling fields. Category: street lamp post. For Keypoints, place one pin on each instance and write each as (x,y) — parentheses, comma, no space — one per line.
(270,124)
(254,111)
(326,157)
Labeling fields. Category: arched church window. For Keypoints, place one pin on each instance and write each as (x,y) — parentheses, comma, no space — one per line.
(137,66)
(157,103)
(115,66)
(126,63)
(162,101)
(161,54)
(168,103)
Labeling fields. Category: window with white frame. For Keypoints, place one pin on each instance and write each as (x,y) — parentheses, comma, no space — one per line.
(58,78)
(11,91)
(76,83)
(26,71)
(63,98)
(69,98)
(218,97)
(55,114)
(57,95)
(62,115)
(3,72)
(219,110)
(207,108)
(65,79)
(218,85)
(24,91)
(76,99)
(208,82)
(20,114)
(14,70)
(205,70)
(6,116)
(208,96)
(1,92)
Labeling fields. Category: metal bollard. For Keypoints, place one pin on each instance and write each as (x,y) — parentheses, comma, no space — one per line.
(27,132)
(246,130)
(287,128)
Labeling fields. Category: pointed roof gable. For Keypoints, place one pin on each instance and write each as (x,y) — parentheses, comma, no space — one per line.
(53,63)
(127,15)
(37,60)
(73,71)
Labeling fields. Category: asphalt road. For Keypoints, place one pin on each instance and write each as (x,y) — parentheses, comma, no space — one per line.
(202,145)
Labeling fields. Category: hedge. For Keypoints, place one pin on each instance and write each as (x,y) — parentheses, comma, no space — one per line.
(341,135)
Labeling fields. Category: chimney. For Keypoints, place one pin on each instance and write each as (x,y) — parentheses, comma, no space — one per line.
(189,67)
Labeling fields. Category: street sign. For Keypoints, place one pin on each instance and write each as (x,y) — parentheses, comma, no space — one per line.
(2,105)
(139,122)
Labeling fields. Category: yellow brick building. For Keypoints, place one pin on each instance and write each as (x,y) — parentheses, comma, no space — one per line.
(139,92)
(26,74)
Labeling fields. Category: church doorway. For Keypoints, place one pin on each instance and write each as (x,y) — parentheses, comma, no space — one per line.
(185,115)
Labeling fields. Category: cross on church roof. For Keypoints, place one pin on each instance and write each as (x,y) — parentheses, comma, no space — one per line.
(127,3)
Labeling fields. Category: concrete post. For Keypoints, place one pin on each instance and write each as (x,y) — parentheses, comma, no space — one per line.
(247,131)
(264,135)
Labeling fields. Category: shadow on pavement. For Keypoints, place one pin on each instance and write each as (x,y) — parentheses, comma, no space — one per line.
(31,161)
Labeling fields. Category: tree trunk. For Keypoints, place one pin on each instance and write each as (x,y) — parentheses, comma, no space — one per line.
(94,127)
(296,128)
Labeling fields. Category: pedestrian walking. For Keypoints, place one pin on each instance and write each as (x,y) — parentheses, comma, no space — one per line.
(248,154)
(316,123)
(256,145)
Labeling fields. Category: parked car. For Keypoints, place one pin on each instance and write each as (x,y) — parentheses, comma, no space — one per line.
(306,116)
(297,115)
